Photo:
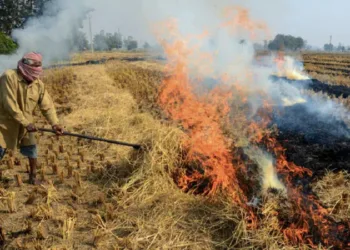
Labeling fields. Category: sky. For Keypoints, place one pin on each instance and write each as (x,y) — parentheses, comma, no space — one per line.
(313,20)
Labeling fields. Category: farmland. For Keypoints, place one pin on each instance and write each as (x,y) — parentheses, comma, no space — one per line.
(101,196)
(332,68)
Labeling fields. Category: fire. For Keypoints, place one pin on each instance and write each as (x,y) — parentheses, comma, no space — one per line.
(292,101)
(205,142)
(238,18)
(286,68)
(310,213)
(218,125)
(269,174)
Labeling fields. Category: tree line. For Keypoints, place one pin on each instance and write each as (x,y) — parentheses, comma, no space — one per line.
(340,48)
(282,42)
(286,42)
(111,41)
(15,13)
(106,41)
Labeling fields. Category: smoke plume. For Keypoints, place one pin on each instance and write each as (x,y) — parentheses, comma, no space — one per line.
(208,27)
(50,34)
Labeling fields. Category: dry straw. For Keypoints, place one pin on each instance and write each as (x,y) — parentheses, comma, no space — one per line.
(334,191)
(152,208)
(151,211)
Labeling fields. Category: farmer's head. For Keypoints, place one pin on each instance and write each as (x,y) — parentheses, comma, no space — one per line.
(30,66)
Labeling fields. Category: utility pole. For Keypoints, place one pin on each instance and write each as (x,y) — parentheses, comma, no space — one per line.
(91,41)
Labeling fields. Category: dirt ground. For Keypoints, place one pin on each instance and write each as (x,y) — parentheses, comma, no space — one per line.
(64,211)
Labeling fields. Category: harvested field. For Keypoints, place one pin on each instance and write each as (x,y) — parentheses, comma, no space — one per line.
(328,68)
(99,196)
(331,68)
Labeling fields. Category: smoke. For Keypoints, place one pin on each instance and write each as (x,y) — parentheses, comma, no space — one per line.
(227,33)
(268,174)
(209,27)
(227,41)
(50,34)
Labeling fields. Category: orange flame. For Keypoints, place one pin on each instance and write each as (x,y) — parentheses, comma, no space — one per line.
(210,153)
(237,18)
(312,216)
(201,118)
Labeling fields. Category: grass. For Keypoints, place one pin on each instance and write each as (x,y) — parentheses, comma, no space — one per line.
(334,191)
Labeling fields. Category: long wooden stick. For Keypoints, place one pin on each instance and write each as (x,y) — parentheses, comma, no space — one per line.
(135,146)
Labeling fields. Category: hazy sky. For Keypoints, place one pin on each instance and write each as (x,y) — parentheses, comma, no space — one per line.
(314,20)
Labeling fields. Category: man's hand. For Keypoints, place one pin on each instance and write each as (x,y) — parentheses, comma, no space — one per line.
(58,129)
(31,128)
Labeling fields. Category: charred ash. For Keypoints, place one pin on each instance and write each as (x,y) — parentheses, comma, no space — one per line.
(316,141)
(316,85)
(105,60)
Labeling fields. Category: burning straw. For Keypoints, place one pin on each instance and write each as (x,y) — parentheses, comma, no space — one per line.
(210,159)
(201,151)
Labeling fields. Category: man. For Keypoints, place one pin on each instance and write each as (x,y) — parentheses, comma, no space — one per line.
(21,92)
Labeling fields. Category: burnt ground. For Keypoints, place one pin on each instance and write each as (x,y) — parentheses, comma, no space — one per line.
(316,141)
(317,86)
(319,142)
(105,60)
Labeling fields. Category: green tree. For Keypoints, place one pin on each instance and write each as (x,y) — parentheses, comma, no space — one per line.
(79,41)
(7,46)
(287,42)
(340,48)
(14,13)
(107,41)
(328,47)
(130,43)
(113,41)
(146,45)
(100,41)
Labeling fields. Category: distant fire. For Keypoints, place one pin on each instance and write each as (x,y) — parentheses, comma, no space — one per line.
(286,68)
(218,123)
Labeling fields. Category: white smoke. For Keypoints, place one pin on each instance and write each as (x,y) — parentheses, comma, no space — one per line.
(233,51)
(50,34)
(233,55)
(269,176)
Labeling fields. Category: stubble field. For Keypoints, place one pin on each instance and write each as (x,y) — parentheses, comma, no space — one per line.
(101,196)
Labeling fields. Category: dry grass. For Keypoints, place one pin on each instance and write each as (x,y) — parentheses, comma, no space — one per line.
(334,191)
(141,80)
(86,56)
(59,84)
(128,199)
(332,68)
(149,211)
